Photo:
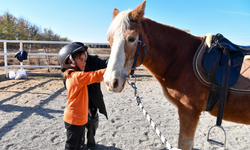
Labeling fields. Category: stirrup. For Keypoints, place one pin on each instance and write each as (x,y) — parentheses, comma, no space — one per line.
(216,142)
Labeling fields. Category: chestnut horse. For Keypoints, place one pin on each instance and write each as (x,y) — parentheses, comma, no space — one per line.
(169,60)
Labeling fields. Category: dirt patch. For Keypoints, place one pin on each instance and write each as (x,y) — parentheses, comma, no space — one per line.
(31,114)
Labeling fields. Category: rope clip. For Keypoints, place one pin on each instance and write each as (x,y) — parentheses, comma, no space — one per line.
(132,84)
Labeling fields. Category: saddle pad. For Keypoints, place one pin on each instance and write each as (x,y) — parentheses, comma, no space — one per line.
(243,82)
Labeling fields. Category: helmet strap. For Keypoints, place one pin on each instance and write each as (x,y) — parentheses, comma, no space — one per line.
(71,65)
(86,55)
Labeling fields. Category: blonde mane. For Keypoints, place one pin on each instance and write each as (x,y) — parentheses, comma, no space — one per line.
(120,21)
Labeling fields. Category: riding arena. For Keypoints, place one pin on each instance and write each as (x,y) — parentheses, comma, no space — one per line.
(165,82)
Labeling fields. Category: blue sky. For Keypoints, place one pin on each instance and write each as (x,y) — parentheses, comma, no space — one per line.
(89,20)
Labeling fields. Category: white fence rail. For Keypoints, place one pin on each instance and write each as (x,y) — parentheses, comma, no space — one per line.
(6,66)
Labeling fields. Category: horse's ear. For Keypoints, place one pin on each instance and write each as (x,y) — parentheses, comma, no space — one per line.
(115,12)
(138,12)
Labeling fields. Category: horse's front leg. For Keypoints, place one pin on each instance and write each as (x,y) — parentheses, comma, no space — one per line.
(189,118)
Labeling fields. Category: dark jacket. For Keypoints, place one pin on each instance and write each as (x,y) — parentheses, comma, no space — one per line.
(94,63)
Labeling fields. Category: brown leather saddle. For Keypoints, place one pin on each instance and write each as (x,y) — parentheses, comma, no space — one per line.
(220,64)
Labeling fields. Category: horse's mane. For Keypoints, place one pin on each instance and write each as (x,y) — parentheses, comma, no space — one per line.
(121,20)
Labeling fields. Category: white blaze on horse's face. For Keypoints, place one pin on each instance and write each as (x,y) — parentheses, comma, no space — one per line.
(115,74)
(120,62)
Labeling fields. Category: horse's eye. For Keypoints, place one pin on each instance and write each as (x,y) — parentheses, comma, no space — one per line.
(131,39)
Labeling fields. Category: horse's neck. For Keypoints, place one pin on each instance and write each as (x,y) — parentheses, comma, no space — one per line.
(170,47)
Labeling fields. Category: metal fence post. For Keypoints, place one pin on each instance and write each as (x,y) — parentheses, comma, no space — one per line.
(28,55)
(5,59)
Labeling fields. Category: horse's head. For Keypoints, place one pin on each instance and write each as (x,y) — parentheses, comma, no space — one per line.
(123,36)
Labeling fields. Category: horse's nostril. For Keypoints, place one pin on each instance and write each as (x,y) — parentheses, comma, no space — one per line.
(115,83)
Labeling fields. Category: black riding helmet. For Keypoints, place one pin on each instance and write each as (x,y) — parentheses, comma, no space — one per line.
(66,53)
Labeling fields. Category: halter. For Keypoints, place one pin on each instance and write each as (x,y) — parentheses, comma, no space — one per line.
(138,49)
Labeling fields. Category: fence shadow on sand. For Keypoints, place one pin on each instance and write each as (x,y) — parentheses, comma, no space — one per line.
(27,111)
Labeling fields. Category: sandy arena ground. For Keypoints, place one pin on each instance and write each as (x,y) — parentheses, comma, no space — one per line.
(31,114)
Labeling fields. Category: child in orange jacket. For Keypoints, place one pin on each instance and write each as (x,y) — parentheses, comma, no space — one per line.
(72,58)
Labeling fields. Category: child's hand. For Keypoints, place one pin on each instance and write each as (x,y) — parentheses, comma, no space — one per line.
(90,113)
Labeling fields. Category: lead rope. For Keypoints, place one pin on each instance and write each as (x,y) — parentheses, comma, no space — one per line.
(138,101)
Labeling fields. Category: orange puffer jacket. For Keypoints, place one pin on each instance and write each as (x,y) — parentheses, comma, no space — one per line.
(76,112)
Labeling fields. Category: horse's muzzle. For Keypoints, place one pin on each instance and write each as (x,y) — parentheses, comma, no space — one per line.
(115,85)
(114,82)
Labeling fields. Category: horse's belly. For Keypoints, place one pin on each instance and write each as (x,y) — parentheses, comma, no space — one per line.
(237,108)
